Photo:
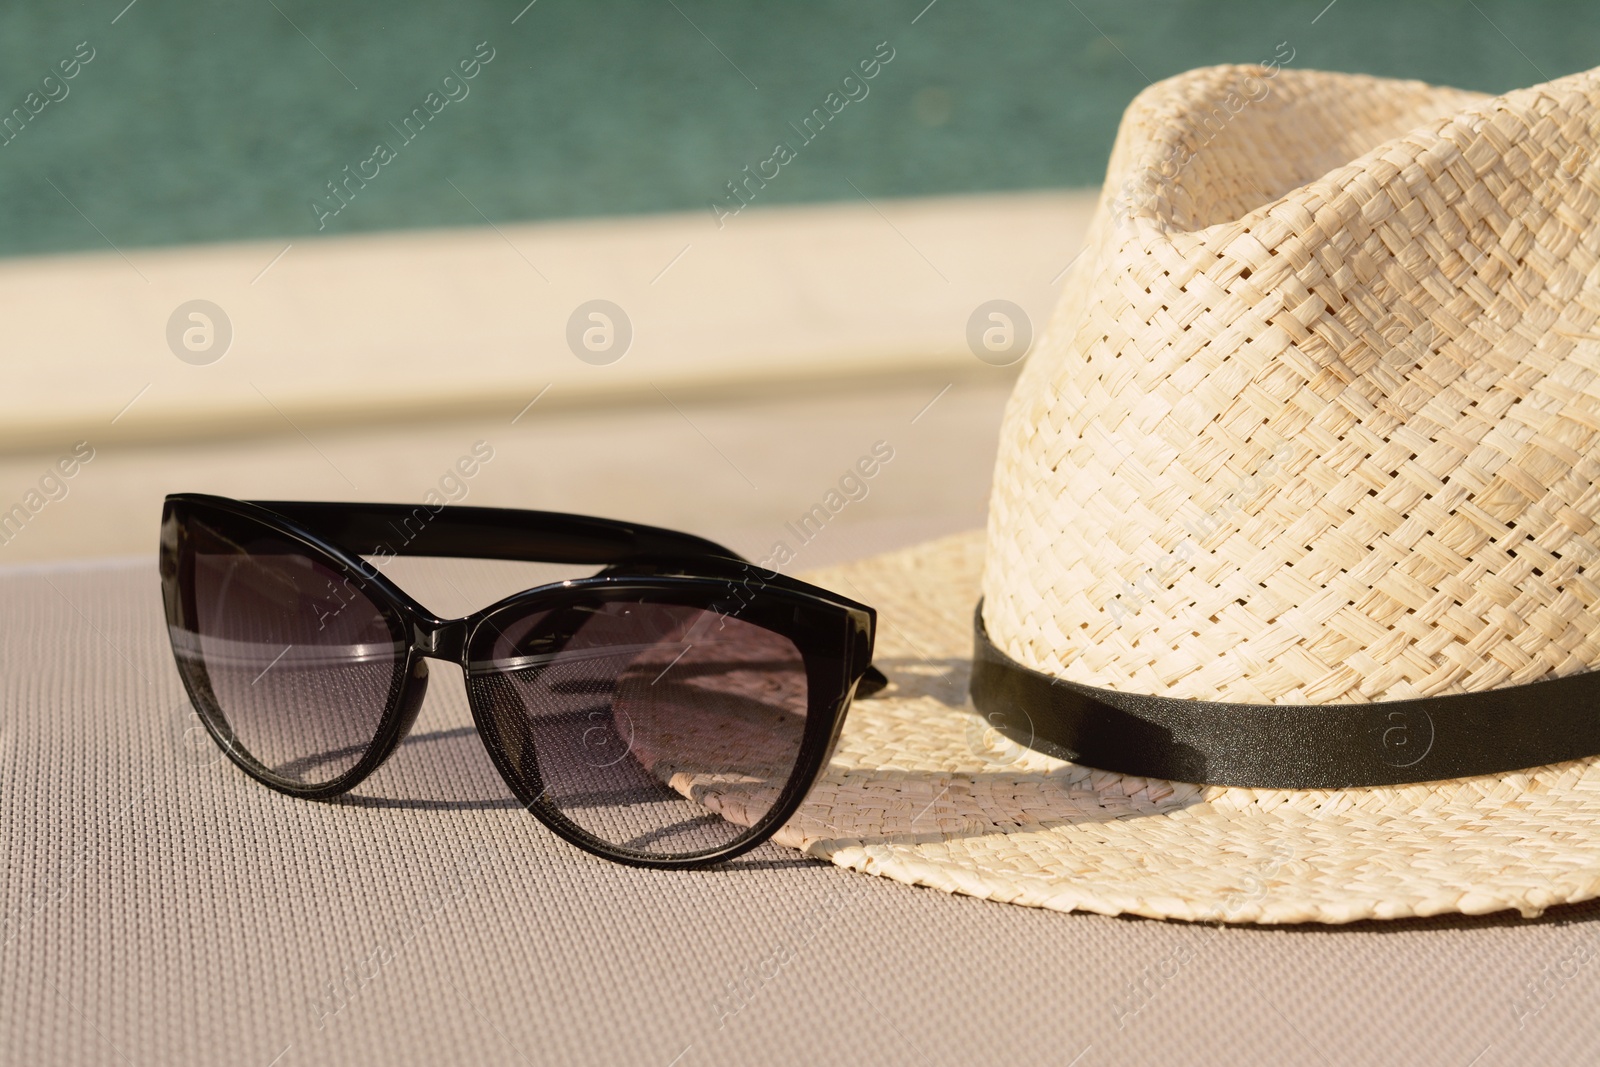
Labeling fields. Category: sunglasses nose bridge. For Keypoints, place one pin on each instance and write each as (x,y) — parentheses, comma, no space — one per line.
(444,639)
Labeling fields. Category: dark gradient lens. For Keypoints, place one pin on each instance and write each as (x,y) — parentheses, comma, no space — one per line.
(659,729)
(295,664)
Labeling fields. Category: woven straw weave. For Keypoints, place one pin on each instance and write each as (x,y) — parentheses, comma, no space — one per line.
(1316,421)
(922,791)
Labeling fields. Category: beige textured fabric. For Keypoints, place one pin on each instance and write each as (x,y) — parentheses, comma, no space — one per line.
(922,792)
(158,907)
(1319,418)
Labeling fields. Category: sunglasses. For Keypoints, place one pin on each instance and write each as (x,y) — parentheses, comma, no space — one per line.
(672,710)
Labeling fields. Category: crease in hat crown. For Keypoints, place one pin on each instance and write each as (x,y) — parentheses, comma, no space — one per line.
(1316,419)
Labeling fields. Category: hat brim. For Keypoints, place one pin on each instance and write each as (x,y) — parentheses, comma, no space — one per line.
(920,790)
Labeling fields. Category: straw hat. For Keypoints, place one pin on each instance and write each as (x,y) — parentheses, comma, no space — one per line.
(1297,491)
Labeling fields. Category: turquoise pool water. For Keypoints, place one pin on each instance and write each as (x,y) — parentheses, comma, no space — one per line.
(210,122)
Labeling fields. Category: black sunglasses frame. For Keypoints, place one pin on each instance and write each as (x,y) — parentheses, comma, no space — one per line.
(833,634)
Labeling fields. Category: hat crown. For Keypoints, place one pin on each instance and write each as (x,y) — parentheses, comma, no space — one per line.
(1213,145)
(1315,420)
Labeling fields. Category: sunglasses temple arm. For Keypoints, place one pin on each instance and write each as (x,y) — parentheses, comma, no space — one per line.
(873,681)
(496,533)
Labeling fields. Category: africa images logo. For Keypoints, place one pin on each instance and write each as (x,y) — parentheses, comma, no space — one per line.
(53,89)
(853,88)
(342,191)
(1402,735)
(853,486)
